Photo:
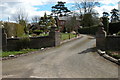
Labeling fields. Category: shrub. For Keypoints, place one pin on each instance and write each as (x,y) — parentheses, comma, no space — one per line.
(30,31)
(110,53)
(19,30)
(114,27)
(118,33)
(37,31)
(33,35)
(14,29)
(88,30)
(116,56)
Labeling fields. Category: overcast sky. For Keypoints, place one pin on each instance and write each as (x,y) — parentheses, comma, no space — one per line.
(8,8)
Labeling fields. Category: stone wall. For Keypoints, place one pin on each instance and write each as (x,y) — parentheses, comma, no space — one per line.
(56,38)
(106,42)
(35,42)
(112,42)
(10,44)
(4,40)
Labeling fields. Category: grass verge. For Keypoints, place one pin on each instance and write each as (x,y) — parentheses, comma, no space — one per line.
(23,51)
(114,54)
(65,36)
(34,35)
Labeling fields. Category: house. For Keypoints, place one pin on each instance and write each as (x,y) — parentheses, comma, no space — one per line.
(61,21)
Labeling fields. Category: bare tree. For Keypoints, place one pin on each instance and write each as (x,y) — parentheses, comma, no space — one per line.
(35,19)
(85,6)
(72,24)
(19,15)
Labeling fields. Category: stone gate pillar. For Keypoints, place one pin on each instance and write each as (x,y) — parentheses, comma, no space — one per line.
(55,35)
(100,37)
(4,40)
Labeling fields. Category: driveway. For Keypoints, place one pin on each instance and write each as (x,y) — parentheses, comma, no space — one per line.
(75,59)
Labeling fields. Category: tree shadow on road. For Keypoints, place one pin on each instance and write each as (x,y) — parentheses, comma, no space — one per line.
(93,49)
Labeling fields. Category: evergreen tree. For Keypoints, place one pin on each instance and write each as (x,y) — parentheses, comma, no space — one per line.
(59,9)
(46,22)
(115,15)
(87,20)
(105,14)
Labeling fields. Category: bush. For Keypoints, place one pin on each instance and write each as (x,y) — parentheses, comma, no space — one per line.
(19,30)
(37,32)
(114,28)
(88,30)
(13,29)
(110,53)
(116,56)
(30,31)
(23,43)
(118,33)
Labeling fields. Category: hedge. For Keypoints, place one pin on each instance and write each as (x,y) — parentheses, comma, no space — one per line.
(114,28)
(88,30)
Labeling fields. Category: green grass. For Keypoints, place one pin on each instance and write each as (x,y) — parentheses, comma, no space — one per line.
(23,51)
(116,56)
(65,36)
(26,35)
(43,34)
(110,53)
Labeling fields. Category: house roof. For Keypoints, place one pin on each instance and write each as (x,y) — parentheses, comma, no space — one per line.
(64,18)
(67,18)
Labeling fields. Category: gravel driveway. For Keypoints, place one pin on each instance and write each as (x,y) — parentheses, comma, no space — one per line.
(75,59)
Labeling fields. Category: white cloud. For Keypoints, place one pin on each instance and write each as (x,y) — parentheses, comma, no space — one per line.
(108,1)
(9,7)
(107,7)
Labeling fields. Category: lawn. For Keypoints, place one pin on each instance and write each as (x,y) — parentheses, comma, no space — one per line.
(23,51)
(65,36)
(32,35)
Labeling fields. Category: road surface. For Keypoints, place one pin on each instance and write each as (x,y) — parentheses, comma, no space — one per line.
(75,59)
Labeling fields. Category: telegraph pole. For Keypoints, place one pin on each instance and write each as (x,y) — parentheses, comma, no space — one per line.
(8,19)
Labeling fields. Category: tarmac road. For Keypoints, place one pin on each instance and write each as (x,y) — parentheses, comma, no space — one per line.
(75,59)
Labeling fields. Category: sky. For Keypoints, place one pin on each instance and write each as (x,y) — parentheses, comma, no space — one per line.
(8,8)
